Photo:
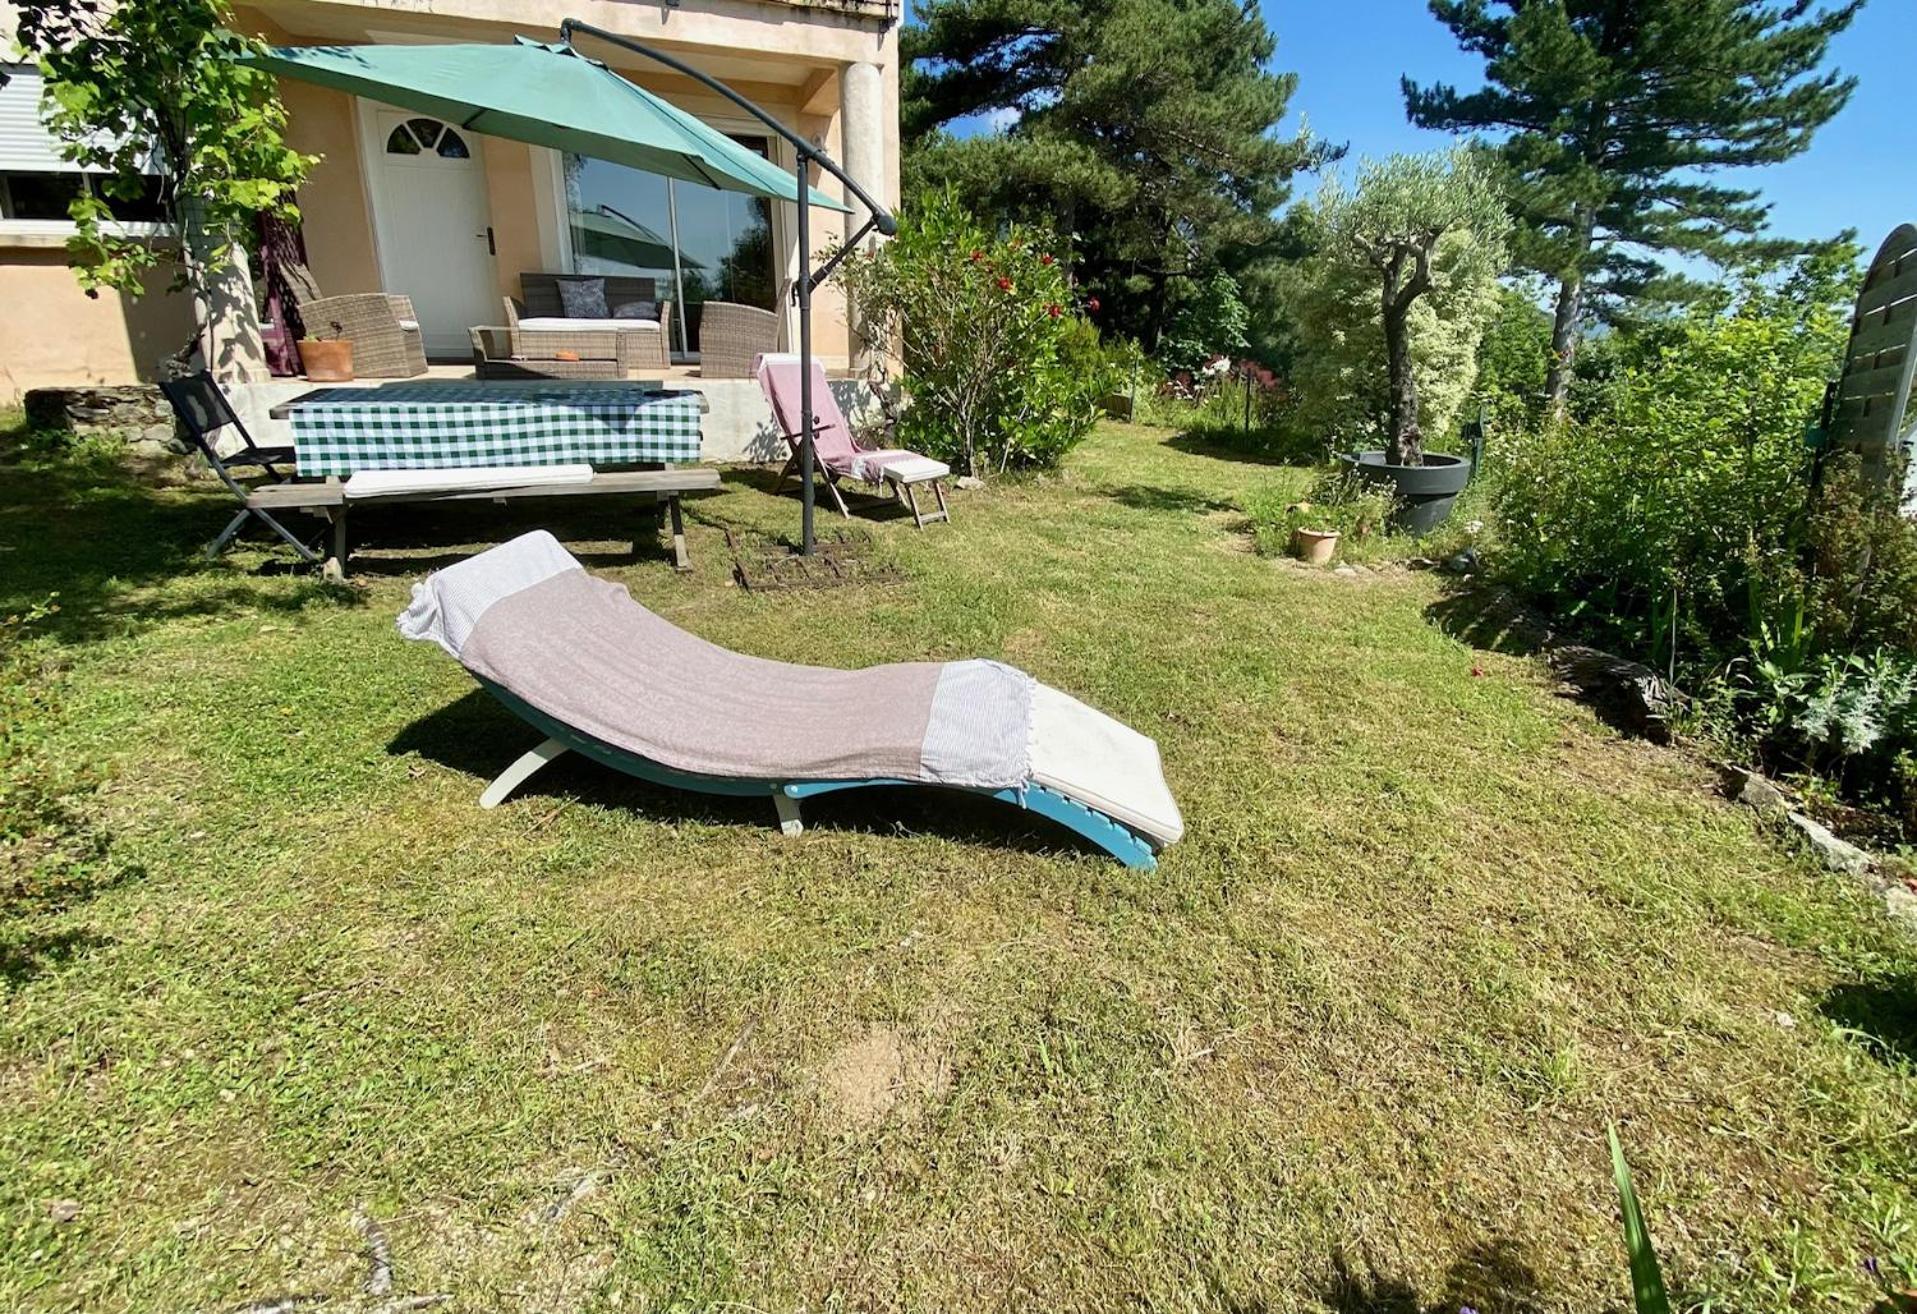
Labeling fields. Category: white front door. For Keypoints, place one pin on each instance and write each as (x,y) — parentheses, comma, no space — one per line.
(431,218)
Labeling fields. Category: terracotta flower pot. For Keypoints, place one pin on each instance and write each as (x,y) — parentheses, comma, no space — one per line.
(328,360)
(1314,547)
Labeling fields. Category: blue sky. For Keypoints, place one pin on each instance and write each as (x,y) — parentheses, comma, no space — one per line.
(1861,170)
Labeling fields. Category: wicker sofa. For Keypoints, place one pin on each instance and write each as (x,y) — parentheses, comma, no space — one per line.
(506,353)
(382,327)
(642,342)
(732,337)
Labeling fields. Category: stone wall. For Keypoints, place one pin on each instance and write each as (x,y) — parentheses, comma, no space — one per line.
(136,412)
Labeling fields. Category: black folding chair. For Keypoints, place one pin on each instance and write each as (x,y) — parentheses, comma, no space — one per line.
(204,410)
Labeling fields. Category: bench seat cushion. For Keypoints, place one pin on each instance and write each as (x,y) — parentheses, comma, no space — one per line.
(393,483)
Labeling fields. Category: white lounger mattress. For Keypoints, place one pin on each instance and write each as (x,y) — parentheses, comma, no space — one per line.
(526,617)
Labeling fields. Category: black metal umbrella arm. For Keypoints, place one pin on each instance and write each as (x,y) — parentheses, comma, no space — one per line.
(878,219)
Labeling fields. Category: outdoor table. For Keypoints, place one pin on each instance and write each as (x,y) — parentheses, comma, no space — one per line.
(458,424)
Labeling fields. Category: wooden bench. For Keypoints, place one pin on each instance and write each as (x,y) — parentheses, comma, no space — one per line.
(328,499)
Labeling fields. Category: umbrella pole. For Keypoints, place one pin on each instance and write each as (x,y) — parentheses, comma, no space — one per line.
(807,424)
(880,221)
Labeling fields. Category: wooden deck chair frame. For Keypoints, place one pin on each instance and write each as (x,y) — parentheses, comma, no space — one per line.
(203,410)
(901,491)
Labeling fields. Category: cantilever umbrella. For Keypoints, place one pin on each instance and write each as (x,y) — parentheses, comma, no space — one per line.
(551,95)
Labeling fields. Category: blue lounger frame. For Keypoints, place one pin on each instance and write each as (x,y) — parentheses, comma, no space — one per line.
(1117,839)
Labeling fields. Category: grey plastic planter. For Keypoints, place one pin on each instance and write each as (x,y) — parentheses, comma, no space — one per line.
(1423,494)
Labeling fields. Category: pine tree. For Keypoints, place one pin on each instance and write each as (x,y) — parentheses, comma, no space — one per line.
(1141,128)
(1611,115)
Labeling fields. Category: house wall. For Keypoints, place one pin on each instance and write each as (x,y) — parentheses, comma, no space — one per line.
(52,334)
(336,220)
(785,56)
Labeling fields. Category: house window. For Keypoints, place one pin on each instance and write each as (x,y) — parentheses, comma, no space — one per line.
(37,182)
(625,221)
(46,196)
(423,136)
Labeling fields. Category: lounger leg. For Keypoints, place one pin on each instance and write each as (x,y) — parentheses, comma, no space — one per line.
(785,471)
(788,807)
(938,491)
(681,559)
(517,774)
(912,500)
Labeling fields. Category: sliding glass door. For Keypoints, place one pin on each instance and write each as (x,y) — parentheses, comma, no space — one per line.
(696,243)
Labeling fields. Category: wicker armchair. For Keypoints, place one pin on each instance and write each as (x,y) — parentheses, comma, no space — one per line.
(505,353)
(382,327)
(732,337)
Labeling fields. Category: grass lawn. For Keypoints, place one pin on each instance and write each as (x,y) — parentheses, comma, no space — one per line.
(1352,1047)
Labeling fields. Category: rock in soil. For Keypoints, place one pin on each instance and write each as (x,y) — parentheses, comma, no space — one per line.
(1837,854)
(1753,790)
(1628,693)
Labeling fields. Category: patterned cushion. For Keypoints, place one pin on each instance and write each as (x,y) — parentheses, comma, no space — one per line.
(636,310)
(584,298)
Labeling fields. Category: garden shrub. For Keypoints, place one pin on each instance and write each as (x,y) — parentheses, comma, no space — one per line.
(1688,478)
(1682,483)
(1211,324)
(1243,409)
(1001,367)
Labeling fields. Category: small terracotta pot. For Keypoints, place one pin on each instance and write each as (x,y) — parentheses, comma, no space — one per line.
(327,361)
(1314,547)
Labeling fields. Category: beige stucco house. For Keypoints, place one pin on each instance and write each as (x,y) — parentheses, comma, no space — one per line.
(452,218)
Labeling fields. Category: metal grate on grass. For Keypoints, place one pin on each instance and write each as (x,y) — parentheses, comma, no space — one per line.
(840,557)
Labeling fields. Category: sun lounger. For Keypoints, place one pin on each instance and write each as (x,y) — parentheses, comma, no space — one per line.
(601,676)
(832,446)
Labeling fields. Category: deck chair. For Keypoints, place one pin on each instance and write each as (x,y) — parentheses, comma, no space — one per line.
(203,411)
(599,675)
(837,455)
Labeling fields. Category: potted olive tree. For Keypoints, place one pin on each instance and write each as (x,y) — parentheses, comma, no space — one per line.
(1406,280)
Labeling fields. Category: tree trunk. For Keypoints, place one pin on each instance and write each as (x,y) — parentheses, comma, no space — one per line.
(1570,310)
(1564,342)
(1406,445)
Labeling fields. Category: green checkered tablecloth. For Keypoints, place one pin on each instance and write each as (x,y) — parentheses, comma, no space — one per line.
(436,426)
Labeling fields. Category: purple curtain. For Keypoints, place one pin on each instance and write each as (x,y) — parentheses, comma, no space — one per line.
(286,280)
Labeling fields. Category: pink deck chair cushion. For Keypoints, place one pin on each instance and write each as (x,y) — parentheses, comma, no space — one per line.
(832,437)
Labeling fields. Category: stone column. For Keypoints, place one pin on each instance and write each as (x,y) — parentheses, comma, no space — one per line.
(239,355)
(862,130)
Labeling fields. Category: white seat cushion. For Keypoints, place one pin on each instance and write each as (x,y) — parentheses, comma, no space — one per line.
(586,325)
(905,467)
(390,483)
(1104,764)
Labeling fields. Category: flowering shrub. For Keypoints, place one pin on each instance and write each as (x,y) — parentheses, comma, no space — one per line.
(1002,368)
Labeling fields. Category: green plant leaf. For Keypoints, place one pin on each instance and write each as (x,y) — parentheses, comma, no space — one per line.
(1647,1279)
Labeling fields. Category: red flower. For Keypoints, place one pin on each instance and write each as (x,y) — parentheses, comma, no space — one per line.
(1091,304)
(977,256)
(1054,310)
(1045,260)
(1004,283)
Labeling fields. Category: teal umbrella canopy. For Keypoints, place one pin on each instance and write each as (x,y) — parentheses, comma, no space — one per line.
(548,95)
